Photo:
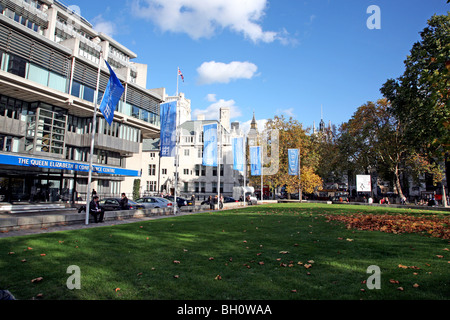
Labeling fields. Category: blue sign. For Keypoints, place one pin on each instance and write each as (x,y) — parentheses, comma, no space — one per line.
(255,161)
(111,97)
(15,160)
(210,145)
(168,134)
(293,167)
(238,154)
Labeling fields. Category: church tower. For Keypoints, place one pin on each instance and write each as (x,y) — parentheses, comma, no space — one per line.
(253,133)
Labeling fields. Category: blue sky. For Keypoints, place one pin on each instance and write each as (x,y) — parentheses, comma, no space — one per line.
(271,57)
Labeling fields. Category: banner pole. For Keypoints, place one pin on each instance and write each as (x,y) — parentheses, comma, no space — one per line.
(261,160)
(93,129)
(175,208)
(218,164)
(245,167)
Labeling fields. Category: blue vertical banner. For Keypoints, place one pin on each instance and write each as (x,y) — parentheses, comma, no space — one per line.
(293,167)
(238,154)
(255,161)
(210,145)
(168,134)
(113,92)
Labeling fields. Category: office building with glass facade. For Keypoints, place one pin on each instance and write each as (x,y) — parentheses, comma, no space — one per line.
(50,63)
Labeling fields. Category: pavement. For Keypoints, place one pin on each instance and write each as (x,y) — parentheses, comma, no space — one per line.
(27,223)
(79,226)
(18,221)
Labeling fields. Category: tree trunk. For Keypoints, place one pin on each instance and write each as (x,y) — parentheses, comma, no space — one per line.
(397,182)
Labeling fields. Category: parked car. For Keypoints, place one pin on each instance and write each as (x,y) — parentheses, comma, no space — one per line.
(229,199)
(155,202)
(180,201)
(113,204)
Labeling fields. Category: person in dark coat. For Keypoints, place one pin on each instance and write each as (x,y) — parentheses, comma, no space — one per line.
(211,203)
(123,202)
(95,209)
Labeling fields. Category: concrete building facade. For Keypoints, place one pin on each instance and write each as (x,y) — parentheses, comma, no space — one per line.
(158,174)
(51,60)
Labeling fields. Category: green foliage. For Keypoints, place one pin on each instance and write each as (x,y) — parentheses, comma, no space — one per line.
(136,188)
(420,97)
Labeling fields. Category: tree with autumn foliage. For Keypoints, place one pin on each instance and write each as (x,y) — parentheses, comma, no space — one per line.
(372,140)
(291,135)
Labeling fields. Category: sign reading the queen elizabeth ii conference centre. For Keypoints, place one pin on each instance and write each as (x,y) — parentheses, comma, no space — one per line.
(63,165)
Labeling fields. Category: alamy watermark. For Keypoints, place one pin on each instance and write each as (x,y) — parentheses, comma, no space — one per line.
(374,21)
(374,281)
(73,281)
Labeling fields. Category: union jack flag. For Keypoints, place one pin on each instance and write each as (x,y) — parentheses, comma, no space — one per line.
(181,75)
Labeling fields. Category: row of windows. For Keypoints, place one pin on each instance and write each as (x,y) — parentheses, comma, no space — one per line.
(198,187)
(200,170)
(46,127)
(20,67)
(23,20)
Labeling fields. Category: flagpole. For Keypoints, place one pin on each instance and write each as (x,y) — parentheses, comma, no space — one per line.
(219,140)
(261,160)
(178,75)
(299,180)
(175,208)
(93,129)
(245,166)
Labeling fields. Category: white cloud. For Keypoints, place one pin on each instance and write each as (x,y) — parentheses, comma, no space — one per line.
(103,26)
(212,112)
(201,18)
(289,112)
(211,97)
(219,72)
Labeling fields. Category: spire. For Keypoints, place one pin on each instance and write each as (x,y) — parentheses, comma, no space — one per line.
(322,123)
(253,124)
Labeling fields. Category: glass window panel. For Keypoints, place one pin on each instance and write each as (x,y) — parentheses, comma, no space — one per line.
(17,66)
(126,109)
(135,112)
(88,94)
(38,75)
(76,88)
(57,82)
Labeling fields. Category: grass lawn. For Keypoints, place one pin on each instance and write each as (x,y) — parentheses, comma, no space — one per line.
(282,251)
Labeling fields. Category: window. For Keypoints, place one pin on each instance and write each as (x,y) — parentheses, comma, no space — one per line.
(152,154)
(17,66)
(186,187)
(197,170)
(5,143)
(197,188)
(38,74)
(202,187)
(152,169)
(57,82)
(151,186)
(186,171)
(186,152)
(164,171)
(76,89)
(88,94)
